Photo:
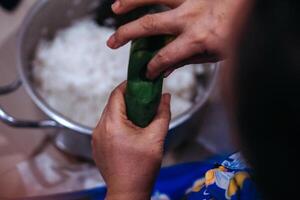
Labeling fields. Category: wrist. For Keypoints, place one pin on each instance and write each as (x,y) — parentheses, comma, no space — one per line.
(138,191)
(136,195)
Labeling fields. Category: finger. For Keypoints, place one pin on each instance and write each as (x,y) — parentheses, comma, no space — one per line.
(116,103)
(154,24)
(174,53)
(160,123)
(124,6)
(198,59)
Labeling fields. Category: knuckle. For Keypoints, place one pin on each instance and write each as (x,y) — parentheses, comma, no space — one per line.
(185,16)
(198,38)
(121,33)
(122,30)
(109,128)
(148,23)
(162,58)
(197,41)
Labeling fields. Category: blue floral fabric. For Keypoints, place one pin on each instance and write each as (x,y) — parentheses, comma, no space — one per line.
(221,178)
(229,179)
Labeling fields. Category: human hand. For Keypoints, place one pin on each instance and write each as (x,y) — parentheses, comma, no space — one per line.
(127,156)
(201,28)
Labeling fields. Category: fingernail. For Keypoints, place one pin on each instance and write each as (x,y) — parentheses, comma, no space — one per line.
(112,42)
(116,5)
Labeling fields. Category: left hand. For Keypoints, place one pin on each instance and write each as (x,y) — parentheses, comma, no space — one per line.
(201,29)
(129,157)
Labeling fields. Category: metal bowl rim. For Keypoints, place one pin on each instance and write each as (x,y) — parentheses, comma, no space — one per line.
(67,123)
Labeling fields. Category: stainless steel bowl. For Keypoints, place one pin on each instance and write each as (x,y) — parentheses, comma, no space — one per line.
(45,18)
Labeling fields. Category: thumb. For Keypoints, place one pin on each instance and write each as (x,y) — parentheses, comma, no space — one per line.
(160,124)
(116,104)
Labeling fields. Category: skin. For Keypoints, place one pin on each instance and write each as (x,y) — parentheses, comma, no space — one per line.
(130,157)
(127,156)
(200,28)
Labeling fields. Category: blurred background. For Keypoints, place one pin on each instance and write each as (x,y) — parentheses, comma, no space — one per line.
(30,162)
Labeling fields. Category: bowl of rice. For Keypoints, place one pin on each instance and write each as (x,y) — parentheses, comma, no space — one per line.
(69,72)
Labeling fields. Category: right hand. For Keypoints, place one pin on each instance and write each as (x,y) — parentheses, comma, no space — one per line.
(201,28)
(129,157)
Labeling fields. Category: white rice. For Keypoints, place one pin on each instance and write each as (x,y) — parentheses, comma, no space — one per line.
(76,72)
